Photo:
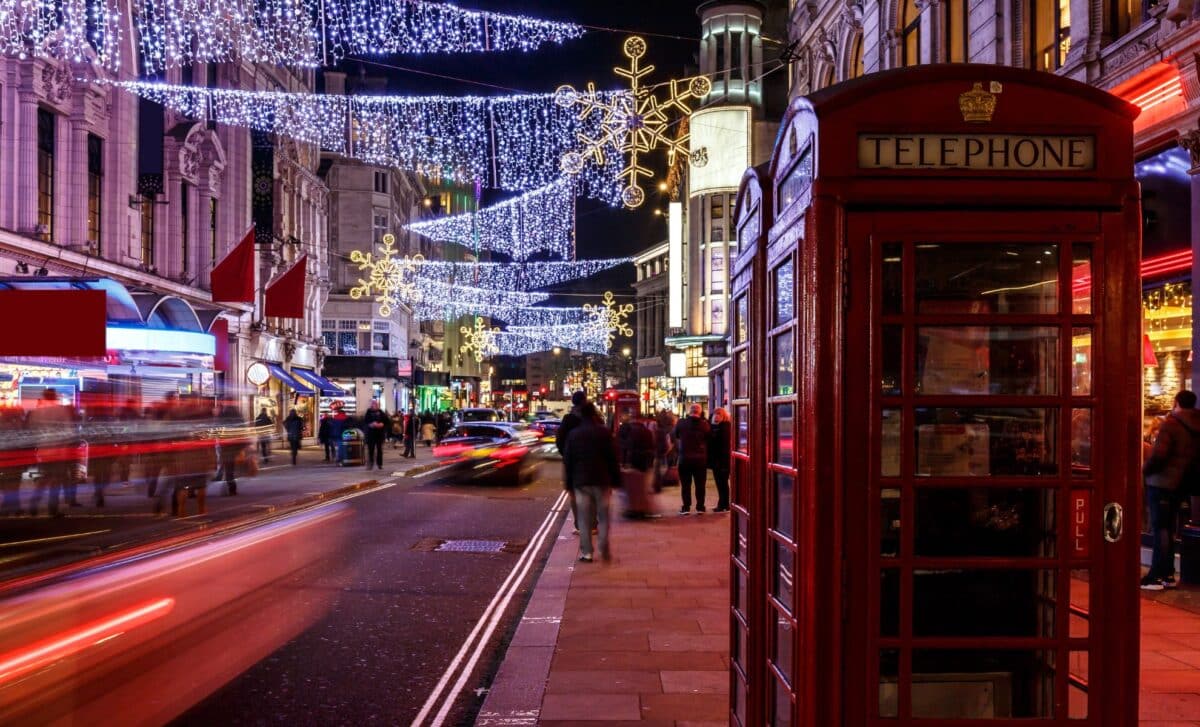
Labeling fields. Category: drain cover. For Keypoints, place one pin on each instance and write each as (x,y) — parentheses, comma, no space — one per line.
(471,546)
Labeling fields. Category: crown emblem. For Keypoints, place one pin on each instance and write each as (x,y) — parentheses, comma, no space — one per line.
(977,105)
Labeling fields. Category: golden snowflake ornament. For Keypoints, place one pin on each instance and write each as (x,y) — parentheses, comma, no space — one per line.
(636,123)
(481,340)
(610,316)
(392,279)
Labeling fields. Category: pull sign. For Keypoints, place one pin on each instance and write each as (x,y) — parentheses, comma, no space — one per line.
(1081,525)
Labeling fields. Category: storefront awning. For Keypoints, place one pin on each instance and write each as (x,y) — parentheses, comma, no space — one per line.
(319,382)
(298,386)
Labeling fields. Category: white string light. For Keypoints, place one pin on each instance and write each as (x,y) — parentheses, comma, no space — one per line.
(539,221)
(514,276)
(511,143)
(524,341)
(70,30)
(531,316)
(435,292)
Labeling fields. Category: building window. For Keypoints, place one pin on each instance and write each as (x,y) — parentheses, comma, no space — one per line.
(95,185)
(957,44)
(45,171)
(212,231)
(147,213)
(184,242)
(1049,30)
(379,226)
(719,66)
(910,34)
(1125,15)
(381,182)
(735,55)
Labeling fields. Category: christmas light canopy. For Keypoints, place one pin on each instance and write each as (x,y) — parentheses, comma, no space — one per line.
(514,276)
(78,31)
(635,123)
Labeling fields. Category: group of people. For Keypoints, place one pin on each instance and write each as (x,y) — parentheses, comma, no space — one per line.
(1171,467)
(376,427)
(647,452)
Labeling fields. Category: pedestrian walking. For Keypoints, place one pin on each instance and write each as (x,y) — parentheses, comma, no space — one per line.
(12,464)
(57,441)
(264,423)
(325,438)
(569,423)
(428,429)
(396,429)
(339,421)
(293,425)
(636,480)
(376,423)
(665,470)
(720,454)
(412,426)
(691,439)
(592,470)
(232,445)
(1173,464)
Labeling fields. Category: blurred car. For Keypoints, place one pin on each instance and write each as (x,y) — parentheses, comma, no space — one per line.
(547,433)
(487,452)
(480,415)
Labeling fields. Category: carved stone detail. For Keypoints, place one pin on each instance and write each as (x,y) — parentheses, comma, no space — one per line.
(56,83)
(1131,53)
(1190,140)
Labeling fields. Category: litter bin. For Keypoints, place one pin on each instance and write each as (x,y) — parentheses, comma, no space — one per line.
(1189,554)
(353,442)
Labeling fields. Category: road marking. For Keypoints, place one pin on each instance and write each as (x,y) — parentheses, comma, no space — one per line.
(432,472)
(487,624)
(35,541)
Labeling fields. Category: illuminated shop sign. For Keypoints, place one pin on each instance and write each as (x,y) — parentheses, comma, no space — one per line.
(720,149)
(157,339)
(977,152)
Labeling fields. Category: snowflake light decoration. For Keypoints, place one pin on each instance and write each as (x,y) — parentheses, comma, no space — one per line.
(635,123)
(391,279)
(610,317)
(481,340)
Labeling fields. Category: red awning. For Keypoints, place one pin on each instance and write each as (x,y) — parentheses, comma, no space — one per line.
(233,277)
(60,323)
(285,296)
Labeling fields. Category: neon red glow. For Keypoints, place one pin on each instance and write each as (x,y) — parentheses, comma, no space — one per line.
(18,663)
(1174,262)
(1160,94)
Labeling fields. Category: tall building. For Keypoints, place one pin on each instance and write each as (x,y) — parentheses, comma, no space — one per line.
(655,383)
(109,188)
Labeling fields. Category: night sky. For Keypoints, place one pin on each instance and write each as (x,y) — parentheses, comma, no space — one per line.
(602,231)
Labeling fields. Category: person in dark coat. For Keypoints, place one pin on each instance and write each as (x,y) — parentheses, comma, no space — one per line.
(325,437)
(1174,461)
(57,441)
(375,423)
(293,425)
(636,483)
(264,422)
(569,422)
(691,439)
(720,447)
(412,428)
(12,462)
(592,470)
(232,443)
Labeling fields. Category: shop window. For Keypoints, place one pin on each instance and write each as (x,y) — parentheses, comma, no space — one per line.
(735,55)
(381,342)
(1048,24)
(379,226)
(95,189)
(45,170)
(1125,15)
(381,182)
(910,34)
(957,27)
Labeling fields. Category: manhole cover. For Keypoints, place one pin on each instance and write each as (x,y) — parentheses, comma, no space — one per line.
(472,546)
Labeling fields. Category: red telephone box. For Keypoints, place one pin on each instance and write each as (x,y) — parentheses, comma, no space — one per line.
(936,399)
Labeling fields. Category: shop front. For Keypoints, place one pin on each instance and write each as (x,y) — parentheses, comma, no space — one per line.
(432,391)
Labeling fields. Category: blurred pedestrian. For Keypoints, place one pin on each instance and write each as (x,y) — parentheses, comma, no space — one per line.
(192,459)
(339,422)
(325,438)
(232,445)
(444,424)
(1173,464)
(665,471)
(54,427)
(396,429)
(412,426)
(691,439)
(428,429)
(569,422)
(375,423)
(13,460)
(293,425)
(635,481)
(265,425)
(592,470)
(720,447)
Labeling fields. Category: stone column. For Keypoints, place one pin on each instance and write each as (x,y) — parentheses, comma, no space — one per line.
(1190,140)
(27,176)
(75,185)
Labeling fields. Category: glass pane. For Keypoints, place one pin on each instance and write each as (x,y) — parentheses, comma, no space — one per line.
(893,337)
(785,308)
(743,375)
(890,445)
(740,637)
(740,533)
(1081,279)
(1077,678)
(981,360)
(743,322)
(783,705)
(781,649)
(741,413)
(784,435)
(983,603)
(979,684)
(1081,442)
(889,516)
(893,279)
(889,602)
(969,442)
(784,364)
(784,522)
(739,701)
(889,677)
(740,592)
(986,521)
(1081,361)
(784,583)
(1080,608)
(987,278)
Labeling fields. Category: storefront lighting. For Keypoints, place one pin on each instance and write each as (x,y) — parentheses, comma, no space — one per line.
(1160,94)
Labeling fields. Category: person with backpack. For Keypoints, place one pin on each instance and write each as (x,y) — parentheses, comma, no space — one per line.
(1170,470)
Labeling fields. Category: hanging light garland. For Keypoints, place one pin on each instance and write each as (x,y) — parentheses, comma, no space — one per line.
(539,221)
(479,339)
(514,276)
(441,293)
(635,123)
(610,317)
(532,316)
(522,341)
(459,138)
(78,31)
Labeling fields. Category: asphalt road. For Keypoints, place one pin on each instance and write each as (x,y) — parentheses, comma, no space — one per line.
(401,610)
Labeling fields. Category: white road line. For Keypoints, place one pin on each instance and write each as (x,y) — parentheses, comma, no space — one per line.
(35,541)
(487,622)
